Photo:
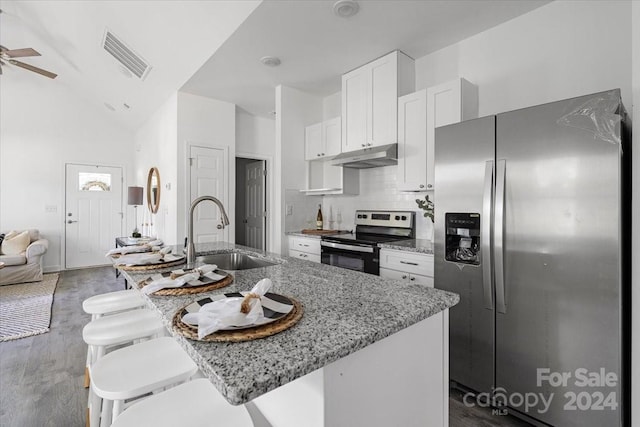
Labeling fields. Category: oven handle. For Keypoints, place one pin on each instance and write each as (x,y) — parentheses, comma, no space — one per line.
(347,247)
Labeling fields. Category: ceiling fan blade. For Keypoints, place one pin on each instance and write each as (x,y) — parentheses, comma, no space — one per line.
(21,53)
(34,69)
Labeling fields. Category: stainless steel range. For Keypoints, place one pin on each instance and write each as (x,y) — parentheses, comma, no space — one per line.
(360,251)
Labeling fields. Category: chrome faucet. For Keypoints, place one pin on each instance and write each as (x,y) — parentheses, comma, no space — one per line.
(191,249)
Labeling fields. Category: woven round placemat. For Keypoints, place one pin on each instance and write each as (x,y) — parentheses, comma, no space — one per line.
(191,289)
(240,335)
(152,266)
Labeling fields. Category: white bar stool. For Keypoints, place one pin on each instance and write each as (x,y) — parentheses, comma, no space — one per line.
(196,403)
(112,302)
(109,303)
(121,328)
(134,371)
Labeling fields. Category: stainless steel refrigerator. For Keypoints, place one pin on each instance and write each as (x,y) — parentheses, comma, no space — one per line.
(532,231)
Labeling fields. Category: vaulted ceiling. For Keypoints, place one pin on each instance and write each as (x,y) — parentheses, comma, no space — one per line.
(213,47)
(174,37)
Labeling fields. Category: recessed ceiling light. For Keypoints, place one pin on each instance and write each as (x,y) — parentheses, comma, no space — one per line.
(270,61)
(345,8)
(125,105)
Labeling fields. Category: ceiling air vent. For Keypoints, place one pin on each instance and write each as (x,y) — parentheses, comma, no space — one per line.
(125,55)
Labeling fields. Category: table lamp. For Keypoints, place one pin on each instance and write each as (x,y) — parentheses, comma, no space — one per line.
(134,198)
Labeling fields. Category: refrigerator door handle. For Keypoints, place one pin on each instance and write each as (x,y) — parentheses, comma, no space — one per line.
(487,200)
(498,237)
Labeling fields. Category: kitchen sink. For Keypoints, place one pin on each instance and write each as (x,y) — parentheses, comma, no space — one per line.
(235,261)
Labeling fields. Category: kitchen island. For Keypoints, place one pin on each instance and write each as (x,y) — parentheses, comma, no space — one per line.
(367,351)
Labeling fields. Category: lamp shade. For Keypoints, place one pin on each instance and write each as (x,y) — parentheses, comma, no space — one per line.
(134,195)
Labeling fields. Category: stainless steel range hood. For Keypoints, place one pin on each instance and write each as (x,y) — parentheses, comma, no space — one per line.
(383,155)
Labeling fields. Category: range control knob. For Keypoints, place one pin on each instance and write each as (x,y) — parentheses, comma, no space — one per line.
(364,216)
(397,217)
(404,218)
(359,216)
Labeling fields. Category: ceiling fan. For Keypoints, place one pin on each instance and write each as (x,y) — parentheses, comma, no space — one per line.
(8,55)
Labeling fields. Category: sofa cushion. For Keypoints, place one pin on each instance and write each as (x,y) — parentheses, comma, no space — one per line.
(9,260)
(14,244)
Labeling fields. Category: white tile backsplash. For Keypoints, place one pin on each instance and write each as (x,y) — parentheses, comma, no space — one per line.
(378,190)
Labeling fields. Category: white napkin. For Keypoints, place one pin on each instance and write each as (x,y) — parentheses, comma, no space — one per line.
(168,282)
(154,245)
(225,312)
(139,259)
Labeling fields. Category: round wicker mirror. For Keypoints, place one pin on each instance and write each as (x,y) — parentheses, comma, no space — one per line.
(153,190)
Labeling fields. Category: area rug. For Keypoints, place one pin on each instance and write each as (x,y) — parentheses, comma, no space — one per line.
(25,309)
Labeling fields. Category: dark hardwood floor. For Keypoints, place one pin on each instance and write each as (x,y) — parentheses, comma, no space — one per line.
(41,376)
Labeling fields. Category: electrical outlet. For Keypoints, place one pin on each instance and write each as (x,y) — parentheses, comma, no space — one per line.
(289,210)
(50,208)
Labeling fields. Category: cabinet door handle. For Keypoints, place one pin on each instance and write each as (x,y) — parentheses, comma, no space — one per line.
(364,145)
(71,221)
(300,244)
(318,155)
(429,186)
(412,278)
(421,185)
(322,154)
(404,276)
(409,263)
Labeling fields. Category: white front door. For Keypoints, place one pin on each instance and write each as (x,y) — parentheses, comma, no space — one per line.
(93,213)
(255,204)
(208,178)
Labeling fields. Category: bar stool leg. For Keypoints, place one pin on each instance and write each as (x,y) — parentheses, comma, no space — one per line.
(105,416)
(94,408)
(117,409)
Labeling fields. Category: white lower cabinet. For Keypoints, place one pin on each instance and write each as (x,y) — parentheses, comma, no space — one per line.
(409,266)
(304,248)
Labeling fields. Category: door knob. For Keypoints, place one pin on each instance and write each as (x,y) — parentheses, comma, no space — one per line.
(71,221)
(220,226)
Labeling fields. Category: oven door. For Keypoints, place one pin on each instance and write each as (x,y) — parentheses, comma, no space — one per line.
(354,257)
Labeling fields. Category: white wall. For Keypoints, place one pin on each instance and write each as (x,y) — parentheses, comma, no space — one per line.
(204,122)
(294,111)
(155,145)
(44,126)
(255,139)
(636,212)
(254,134)
(561,50)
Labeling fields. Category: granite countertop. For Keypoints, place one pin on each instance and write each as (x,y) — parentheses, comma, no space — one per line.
(423,246)
(344,311)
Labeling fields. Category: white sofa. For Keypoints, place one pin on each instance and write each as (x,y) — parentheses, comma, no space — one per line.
(26,266)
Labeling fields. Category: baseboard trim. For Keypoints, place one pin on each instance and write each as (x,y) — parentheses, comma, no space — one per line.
(51,269)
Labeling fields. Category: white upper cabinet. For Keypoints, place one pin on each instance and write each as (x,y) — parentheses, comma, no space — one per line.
(448,103)
(332,136)
(322,139)
(313,146)
(370,101)
(355,98)
(412,142)
(419,113)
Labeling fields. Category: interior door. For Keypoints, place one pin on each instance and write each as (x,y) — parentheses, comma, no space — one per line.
(94,215)
(208,178)
(255,204)
(560,308)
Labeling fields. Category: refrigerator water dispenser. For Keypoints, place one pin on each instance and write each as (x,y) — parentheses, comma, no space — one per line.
(462,244)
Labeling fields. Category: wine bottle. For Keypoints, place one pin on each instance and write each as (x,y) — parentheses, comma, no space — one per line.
(319,218)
